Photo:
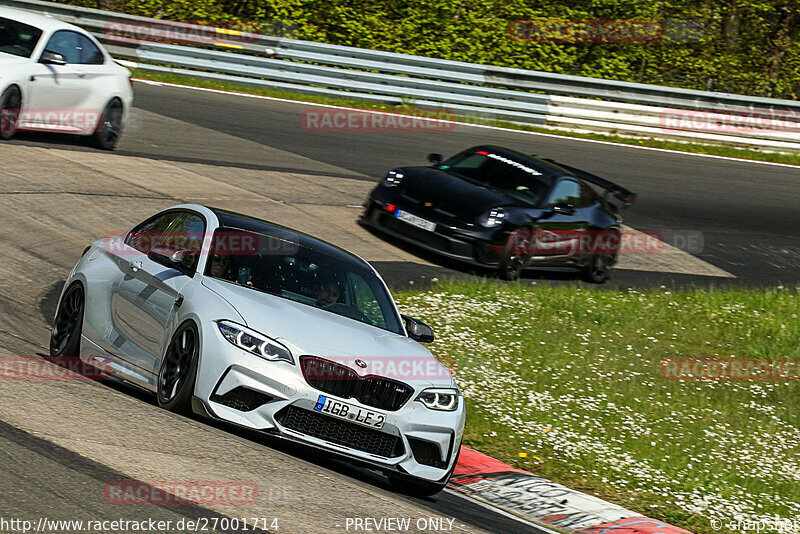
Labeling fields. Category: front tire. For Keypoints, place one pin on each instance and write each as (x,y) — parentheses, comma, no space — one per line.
(10,104)
(512,262)
(598,270)
(109,128)
(178,373)
(65,337)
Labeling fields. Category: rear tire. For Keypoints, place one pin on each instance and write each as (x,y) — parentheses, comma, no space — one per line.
(10,104)
(178,373)
(109,127)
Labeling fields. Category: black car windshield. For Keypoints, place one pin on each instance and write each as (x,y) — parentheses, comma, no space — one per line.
(281,266)
(18,39)
(517,179)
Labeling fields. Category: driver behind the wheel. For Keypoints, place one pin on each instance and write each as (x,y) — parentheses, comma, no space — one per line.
(219,265)
(326,293)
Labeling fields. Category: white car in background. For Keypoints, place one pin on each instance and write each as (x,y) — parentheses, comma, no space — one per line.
(56,77)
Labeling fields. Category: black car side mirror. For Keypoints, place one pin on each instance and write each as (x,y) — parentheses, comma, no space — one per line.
(173,258)
(564,208)
(435,159)
(417,330)
(52,58)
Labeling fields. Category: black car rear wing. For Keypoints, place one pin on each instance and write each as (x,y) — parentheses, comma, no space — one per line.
(620,193)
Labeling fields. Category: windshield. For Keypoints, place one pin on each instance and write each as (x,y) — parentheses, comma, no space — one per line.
(18,39)
(516,179)
(275,265)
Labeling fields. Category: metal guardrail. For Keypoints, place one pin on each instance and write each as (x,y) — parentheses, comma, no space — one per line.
(484,91)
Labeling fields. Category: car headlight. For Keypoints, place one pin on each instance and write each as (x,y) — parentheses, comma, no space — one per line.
(254,342)
(393,178)
(493,217)
(440,399)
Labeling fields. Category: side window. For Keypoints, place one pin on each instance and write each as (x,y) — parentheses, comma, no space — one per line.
(90,53)
(186,232)
(67,44)
(365,300)
(588,195)
(565,192)
(144,236)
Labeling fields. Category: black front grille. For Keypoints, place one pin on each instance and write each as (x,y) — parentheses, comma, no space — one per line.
(426,453)
(342,381)
(340,432)
(242,399)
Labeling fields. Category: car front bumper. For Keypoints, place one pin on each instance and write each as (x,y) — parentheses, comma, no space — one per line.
(241,388)
(477,246)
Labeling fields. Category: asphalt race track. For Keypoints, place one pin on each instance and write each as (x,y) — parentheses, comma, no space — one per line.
(64,440)
(748,213)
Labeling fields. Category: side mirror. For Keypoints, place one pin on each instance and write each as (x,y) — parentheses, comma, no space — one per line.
(173,258)
(435,159)
(564,208)
(417,330)
(52,58)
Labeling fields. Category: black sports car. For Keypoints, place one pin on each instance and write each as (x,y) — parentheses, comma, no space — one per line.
(494,207)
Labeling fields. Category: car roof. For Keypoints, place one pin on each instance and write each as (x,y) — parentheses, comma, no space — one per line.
(231,219)
(42,22)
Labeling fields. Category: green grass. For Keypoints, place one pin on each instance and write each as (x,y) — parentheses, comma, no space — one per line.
(407,109)
(572,377)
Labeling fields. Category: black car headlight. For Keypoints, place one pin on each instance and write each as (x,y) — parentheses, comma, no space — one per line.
(393,178)
(493,217)
(254,342)
(443,399)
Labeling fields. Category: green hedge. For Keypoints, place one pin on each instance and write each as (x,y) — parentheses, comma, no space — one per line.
(740,46)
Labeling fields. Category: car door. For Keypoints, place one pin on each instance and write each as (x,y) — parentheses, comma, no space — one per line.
(57,90)
(95,74)
(145,302)
(560,231)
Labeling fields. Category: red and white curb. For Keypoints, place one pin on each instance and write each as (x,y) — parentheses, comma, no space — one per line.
(537,500)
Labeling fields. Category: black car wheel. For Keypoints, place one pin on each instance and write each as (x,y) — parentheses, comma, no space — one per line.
(10,103)
(176,378)
(109,128)
(598,269)
(65,338)
(513,259)
(510,267)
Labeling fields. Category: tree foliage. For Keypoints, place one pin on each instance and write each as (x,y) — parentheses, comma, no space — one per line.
(741,46)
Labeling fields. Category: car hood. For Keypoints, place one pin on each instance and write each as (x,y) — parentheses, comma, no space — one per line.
(307,330)
(449,194)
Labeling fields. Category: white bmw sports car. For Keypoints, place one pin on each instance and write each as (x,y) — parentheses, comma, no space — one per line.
(55,77)
(245,321)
